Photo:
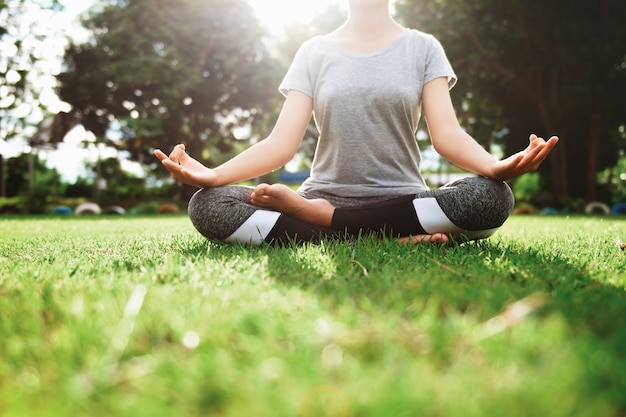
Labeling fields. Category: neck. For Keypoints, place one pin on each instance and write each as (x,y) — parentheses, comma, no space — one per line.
(370,20)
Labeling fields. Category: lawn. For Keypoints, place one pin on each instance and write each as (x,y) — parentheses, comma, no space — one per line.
(140,316)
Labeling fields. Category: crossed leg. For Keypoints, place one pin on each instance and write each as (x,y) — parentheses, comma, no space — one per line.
(319,212)
(281,198)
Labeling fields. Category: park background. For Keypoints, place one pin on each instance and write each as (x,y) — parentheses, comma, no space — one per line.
(84,102)
(142,316)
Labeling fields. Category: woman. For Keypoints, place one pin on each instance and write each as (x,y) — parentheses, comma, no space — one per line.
(366,84)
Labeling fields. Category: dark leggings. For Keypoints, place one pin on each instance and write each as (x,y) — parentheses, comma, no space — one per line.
(467,209)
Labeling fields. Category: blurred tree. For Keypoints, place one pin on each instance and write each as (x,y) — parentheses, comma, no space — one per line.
(555,67)
(322,22)
(28,177)
(190,71)
(28,49)
(22,63)
(17,173)
(120,186)
(81,188)
(614,180)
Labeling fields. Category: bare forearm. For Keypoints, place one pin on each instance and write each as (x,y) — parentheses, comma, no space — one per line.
(462,150)
(449,140)
(261,158)
(454,144)
(275,151)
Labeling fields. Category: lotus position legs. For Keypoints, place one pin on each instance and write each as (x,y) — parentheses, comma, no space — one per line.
(319,212)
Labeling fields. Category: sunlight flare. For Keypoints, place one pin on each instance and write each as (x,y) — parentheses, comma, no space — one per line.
(276,15)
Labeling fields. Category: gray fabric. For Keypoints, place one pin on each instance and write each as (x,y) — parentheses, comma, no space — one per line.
(367,109)
(470,203)
(217,212)
(474,203)
(344,202)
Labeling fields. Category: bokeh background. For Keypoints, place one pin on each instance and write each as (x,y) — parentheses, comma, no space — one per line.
(89,88)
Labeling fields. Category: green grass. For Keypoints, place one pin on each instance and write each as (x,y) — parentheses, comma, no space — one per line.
(143,317)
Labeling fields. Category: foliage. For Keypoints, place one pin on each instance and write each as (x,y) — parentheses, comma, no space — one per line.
(48,188)
(143,317)
(526,187)
(117,184)
(17,173)
(81,188)
(614,179)
(170,72)
(21,62)
(537,67)
(35,195)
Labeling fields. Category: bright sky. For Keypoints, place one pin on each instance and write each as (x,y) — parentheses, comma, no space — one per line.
(274,14)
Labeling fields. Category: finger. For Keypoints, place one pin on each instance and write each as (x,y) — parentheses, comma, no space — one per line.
(547,148)
(538,160)
(529,162)
(513,161)
(177,153)
(553,141)
(530,159)
(531,154)
(172,166)
(535,141)
(159,154)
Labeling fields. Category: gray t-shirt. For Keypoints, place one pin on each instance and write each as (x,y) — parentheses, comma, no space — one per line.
(367,108)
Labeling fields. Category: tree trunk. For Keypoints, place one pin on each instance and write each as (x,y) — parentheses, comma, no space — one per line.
(55,185)
(2,189)
(558,165)
(595,127)
(31,173)
(558,155)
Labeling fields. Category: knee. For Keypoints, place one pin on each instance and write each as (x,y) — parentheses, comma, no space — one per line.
(494,199)
(217,212)
(201,211)
(199,203)
(480,203)
(496,194)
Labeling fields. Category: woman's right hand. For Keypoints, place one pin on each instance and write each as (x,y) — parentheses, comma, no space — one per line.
(185,169)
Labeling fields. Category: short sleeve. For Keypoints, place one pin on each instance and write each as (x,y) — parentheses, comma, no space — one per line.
(437,64)
(298,76)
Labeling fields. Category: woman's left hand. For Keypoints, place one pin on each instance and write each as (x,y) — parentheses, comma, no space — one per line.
(524,161)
